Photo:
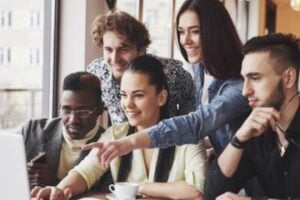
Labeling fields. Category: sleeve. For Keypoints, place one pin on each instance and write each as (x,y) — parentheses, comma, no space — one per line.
(185,84)
(196,165)
(90,168)
(227,106)
(217,183)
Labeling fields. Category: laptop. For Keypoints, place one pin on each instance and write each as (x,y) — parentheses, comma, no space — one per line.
(14,182)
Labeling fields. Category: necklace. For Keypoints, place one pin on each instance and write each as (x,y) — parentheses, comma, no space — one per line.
(283,143)
(282,147)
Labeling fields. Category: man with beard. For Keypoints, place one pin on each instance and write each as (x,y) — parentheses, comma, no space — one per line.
(61,138)
(267,145)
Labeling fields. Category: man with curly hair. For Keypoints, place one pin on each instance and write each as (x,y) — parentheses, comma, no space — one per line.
(123,38)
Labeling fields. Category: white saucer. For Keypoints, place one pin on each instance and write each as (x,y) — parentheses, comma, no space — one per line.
(111,196)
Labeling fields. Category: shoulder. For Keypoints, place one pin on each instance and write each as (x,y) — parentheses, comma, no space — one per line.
(233,85)
(43,123)
(168,62)
(97,66)
(96,63)
(116,131)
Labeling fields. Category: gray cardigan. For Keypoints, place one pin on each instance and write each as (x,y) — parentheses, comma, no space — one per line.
(46,135)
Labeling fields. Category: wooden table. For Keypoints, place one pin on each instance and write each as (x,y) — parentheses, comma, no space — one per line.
(100,196)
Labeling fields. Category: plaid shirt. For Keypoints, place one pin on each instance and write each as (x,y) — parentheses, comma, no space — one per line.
(181,88)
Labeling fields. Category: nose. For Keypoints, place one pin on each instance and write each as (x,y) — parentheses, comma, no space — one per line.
(73,118)
(115,57)
(128,102)
(185,38)
(247,89)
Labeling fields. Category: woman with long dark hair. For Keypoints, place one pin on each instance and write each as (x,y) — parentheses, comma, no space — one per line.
(207,38)
(174,172)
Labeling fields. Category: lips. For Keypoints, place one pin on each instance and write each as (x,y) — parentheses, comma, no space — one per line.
(191,50)
(73,128)
(132,114)
(252,102)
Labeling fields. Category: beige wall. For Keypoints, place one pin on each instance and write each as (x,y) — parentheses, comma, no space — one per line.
(288,21)
(76,49)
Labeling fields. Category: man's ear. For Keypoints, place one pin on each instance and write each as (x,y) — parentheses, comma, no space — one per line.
(163,97)
(290,77)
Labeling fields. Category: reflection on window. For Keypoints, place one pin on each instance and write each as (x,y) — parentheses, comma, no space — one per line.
(5,17)
(129,6)
(21,82)
(157,15)
(35,16)
(4,56)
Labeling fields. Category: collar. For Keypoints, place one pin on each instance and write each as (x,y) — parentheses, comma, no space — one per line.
(77,144)
(293,131)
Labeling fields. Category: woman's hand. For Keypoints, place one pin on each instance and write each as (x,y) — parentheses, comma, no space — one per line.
(51,193)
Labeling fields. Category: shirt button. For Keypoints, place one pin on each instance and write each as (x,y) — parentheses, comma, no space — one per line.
(285,173)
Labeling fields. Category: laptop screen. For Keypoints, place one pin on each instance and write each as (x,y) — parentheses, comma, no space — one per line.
(14,182)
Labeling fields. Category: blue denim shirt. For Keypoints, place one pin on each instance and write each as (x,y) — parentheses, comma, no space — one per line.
(219,120)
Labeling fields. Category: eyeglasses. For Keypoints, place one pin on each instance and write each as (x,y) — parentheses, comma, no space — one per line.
(79,113)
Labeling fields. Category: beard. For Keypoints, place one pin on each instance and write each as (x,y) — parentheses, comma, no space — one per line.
(277,97)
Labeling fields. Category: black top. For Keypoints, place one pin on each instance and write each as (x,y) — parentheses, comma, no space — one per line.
(278,176)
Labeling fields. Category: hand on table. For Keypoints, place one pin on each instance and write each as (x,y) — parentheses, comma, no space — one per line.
(232,196)
(40,173)
(51,193)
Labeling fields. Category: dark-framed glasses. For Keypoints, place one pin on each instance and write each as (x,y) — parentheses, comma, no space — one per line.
(84,113)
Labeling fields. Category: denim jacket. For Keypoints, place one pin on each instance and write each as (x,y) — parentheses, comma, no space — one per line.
(219,120)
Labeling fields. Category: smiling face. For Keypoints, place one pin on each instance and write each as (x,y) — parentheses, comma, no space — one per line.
(140,100)
(263,86)
(118,53)
(76,126)
(189,35)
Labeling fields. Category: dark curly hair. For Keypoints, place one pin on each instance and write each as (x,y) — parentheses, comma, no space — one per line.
(123,24)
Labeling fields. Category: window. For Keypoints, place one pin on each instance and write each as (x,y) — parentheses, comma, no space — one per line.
(5,56)
(26,48)
(158,17)
(35,18)
(5,18)
(34,57)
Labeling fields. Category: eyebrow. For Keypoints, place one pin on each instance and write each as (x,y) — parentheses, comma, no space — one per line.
(190,27)
(251,74)
(135,91)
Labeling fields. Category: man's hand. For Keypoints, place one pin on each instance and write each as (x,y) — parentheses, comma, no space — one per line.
(40,173)
(260,119)
(232,196)
(51,193)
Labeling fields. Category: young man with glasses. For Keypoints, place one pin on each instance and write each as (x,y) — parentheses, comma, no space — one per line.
(61,138)
(268,143)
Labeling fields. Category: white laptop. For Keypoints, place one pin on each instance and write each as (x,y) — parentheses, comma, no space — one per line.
(14,182)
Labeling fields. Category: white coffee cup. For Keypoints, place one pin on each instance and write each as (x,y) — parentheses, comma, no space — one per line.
(124,190)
